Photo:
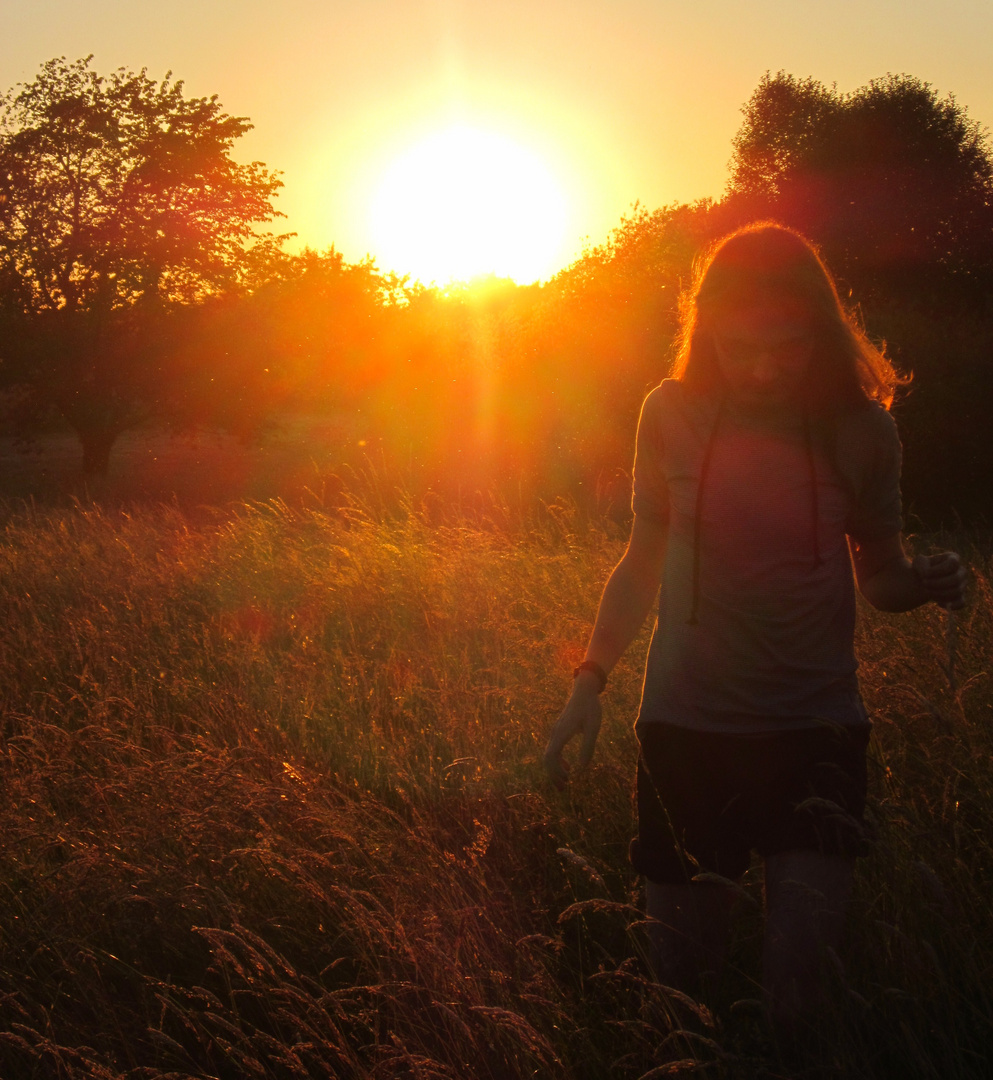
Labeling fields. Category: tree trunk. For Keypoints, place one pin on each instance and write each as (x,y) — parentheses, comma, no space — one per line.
(97,445)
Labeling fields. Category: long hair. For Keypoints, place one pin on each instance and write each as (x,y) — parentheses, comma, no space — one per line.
(765,259)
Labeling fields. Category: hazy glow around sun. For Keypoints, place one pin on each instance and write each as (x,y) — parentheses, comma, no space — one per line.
(464,202)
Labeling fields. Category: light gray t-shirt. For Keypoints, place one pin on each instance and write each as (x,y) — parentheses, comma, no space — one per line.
(765,638)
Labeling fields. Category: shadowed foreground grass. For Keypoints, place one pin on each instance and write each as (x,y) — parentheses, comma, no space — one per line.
(272,807)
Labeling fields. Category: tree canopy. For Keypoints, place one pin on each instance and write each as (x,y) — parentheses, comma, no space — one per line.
(895,181)
(119,203)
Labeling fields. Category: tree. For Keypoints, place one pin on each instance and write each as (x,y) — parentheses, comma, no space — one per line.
(119,207)
(309,333)
(896,184)
(894,181)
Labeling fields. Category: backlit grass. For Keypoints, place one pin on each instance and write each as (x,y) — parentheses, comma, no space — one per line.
(272,807)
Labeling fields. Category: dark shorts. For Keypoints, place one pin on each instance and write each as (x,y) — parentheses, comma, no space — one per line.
(707,800)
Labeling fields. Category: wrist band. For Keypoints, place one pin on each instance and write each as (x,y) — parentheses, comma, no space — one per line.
(590,665)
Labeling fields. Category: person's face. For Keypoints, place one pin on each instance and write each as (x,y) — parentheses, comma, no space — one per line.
(764,352)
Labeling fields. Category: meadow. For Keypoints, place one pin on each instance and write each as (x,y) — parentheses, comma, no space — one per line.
(273,807)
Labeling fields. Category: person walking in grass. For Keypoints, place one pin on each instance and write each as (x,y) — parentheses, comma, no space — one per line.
(766,467)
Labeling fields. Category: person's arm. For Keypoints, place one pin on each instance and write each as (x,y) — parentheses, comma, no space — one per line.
(628,597)
(891,582)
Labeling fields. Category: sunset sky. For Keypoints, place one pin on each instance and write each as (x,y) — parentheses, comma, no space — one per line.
(602,103)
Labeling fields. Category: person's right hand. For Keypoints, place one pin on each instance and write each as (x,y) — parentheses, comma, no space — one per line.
(943,579)
(581,715)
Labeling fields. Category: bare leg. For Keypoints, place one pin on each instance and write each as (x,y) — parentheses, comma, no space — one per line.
(806,895)
(690,933)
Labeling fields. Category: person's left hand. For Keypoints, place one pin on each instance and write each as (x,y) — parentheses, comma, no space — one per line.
(582,715)
(942,578)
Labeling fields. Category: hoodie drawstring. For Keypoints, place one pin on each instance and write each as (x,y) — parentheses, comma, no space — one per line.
(698,514)
(815,507)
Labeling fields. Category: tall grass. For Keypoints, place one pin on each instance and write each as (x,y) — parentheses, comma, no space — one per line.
(272,807)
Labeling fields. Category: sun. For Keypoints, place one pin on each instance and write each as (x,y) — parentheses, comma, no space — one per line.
(465,202)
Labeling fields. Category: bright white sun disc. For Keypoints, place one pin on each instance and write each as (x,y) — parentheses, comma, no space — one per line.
(465,202)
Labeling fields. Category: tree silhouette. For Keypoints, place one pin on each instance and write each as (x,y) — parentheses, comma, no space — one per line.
(119,206)
(893,180)
(896,184)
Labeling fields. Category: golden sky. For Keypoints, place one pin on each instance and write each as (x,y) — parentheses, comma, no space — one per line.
(619,100)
